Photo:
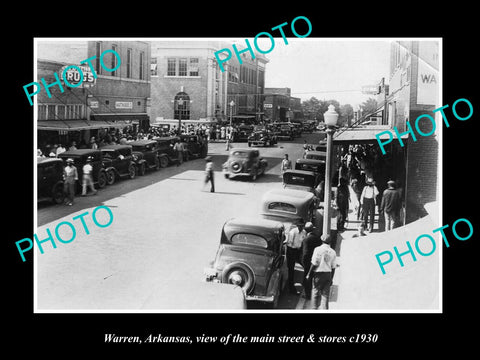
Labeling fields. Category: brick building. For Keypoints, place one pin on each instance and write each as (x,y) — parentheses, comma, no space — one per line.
(281,106)
(414,90)
(186,82)
(115,99)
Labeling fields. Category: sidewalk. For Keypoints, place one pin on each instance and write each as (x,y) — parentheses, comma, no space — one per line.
(351,228)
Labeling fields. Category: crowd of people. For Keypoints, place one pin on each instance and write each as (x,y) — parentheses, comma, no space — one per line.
(360,166)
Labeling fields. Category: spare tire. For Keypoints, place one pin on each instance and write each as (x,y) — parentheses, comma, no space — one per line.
(239,274)
(236,167)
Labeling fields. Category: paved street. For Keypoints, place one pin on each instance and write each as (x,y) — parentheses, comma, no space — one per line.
(165,229)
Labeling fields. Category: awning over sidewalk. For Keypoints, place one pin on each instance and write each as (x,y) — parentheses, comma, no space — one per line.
(75,125)
(363,135)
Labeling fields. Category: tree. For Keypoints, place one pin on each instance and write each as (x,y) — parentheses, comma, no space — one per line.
(369,106)
(346,114)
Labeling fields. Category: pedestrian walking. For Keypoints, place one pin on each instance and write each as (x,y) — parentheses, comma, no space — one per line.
(70,177)
(178,148)
(368,200)
(311,241)
(322,270)
(285,165)
(357,189)
(342,201)
(294,251)
(391,205)
(73,146)
(60,149)
(87,179)
(209,176)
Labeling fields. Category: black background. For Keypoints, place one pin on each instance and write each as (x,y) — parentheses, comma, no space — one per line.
(60,335)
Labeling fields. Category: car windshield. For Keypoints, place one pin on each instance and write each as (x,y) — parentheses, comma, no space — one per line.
(281,206)
(299,179)
(249,239)
(108,154)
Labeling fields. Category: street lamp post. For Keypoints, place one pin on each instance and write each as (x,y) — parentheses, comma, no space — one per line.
(179,103)
(232,104)
(330,117)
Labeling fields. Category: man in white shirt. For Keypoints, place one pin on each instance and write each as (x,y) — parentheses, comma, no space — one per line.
(209,174)
(294,251)
(87,179)
(324,262)
(368,199)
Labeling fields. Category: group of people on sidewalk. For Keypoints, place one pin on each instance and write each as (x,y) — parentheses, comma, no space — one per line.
(306,247)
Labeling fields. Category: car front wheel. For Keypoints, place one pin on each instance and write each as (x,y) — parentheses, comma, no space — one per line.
(111,177)
(131,171)
(58,195)
(163,162)
(102,180)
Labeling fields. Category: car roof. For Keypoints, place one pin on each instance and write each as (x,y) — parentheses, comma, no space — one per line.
(48,160)
(243,150)
(301,172)
(114,147)
(142,142)
(253,224)
(295,197)
(78,152)
(165,138)
(317,153)
(310,161)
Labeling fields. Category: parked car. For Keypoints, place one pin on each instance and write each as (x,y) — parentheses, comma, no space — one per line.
(195,146)
(244,162)
(261,137)
(80,157)
(289,206)
(242,133)
(309,126)
(166,154)
(195,295)
(251,255)
(316,155)
(301,180)
(50,180)
(145,155)
(118,162)
(317,166)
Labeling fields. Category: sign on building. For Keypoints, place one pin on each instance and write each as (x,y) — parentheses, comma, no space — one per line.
(123,105)
(371,89)
(267,106)
(73,76)
(428,74)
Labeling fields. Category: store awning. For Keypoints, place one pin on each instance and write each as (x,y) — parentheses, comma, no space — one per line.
(128,118)
(363,135)
(77,125)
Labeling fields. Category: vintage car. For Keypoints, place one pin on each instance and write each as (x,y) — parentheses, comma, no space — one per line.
(244,162)
(242,133)
(194,295)
(50,180)
(166,154)
(80,157)
(290,206)
(145,155)
(317,166)
(195,146)
(251,255)
(297,129)
(285,131)
(301,180)
(309,126)
(118,162)
(261,137)
(316,155)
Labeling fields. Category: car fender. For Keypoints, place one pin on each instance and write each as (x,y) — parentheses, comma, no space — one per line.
(107,169)
(275,283)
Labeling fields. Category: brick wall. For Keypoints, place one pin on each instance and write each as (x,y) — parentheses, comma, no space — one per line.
(422,171)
